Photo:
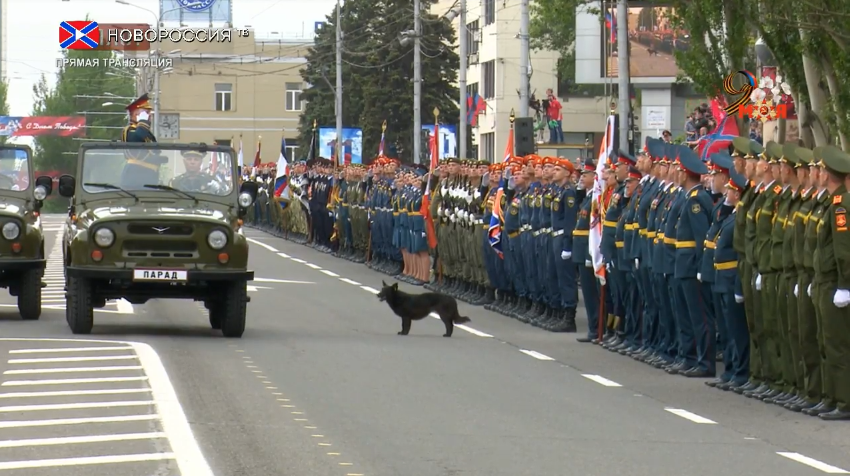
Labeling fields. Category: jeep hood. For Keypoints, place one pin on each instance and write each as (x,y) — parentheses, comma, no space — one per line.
(157,211)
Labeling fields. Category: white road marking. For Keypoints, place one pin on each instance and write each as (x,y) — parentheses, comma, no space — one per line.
(63,381)
(66,349)
(76,421)
(536,355)
(81,439)
(330,273)
(283,255)
(124,306)
(73,406)
(690,416)
(311,265)
(70,393)
(72,359)
(88,460)
(260,243)
(281,281)
(72,370)
(472,331)
(601,380)
(298,260)
(819,465)
(370,289)
(349,281)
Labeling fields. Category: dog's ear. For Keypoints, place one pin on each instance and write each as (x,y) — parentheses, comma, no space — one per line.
(395,286)
(382,282)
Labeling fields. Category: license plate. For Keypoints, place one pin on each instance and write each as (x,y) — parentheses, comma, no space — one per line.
(167,275)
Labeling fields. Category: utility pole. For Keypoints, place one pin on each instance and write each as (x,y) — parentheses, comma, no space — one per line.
(523,59)
(623,70)
(338,82)
(156,98)
(461,80)
(417,82)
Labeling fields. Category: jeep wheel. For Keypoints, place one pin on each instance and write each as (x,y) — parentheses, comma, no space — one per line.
(216,311)
(78,310)
(233,308)
(29,295)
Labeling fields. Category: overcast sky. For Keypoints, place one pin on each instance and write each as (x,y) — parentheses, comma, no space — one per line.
(33,37)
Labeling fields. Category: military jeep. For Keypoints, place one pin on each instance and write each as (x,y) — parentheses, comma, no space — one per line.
(22,259)
(150,221)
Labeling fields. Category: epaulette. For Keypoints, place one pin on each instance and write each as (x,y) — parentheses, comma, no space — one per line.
(836,199)
(777,189)
(694,193)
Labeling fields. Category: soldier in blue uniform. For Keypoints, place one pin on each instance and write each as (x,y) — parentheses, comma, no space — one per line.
(563,214)
(678,330)
(495,265)
(581,255)
(517,187)
(528,306)
(612,245)
(551,317)
(665,327)
(727,282)
(691,228)
(142,166)
(624,237)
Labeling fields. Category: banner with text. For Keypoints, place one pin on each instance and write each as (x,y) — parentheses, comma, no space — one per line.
(64,126)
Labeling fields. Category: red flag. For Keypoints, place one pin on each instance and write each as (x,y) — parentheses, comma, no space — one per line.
(257,157)
(425,210)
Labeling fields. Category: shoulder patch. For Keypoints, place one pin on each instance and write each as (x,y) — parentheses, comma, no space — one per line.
(840,220)
(695,208)
(836,199)
(694,193)
(840,210)
(777,189)
(571,201)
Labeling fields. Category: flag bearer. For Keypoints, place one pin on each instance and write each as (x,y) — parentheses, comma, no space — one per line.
(581,255)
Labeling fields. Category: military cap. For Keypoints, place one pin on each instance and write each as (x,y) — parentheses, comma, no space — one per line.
(623,157)
(772,152)
(452,160)
(564,164)
(143,102)
(655,148)
(817,156)
(836,160)
(721,162)
(192,154)
(690,162)
(789,155)
(588,167)
(634,173)
(741,147)
(756,149)
(483,163)
(737,182)
(806,157)
(669,153)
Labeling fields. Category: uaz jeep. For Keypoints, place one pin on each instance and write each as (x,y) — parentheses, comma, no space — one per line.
(152,220)
(22,259)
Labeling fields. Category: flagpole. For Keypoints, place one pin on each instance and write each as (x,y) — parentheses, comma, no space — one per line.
(312,153)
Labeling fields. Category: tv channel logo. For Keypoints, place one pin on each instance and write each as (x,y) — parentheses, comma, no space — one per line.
(79,35)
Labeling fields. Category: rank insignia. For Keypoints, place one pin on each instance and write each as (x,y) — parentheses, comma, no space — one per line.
(695,208)
(836,199)
(840,220)
(777,189)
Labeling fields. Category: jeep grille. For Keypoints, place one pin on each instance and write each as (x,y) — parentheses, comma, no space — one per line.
(160,249)
(160,230)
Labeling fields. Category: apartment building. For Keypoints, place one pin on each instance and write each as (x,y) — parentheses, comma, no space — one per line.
(492,32)
(220,91)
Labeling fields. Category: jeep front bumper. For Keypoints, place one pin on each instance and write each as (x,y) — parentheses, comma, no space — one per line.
(126,274)
(21,264)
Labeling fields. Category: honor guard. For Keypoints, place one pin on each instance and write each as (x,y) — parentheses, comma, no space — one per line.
(580,253)
(616,282)
(623,239)
(142,166)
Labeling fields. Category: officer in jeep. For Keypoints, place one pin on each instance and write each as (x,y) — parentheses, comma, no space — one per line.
(193,180)
(142,166)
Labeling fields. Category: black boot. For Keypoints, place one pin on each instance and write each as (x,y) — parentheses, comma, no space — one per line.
(536,314)
(472,294)
(504,302)
(525,305)
(488,295)
(498,296)
(553,317)
(570,320)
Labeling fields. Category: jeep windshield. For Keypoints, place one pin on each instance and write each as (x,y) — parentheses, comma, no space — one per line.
(14,169)
(191,171)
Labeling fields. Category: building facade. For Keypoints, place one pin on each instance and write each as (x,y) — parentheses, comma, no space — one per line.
(221,91)
(493,46)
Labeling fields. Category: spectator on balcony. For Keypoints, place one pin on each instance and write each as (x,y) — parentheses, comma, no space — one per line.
(556,131)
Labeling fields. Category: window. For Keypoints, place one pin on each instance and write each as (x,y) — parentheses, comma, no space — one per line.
(489,11)
(471,89)
(293,97)
(224,142)
(223,97)
(488,77)
(471,32)
(488,147)
(292,152)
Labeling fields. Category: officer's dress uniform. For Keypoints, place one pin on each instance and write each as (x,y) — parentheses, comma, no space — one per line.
(614,279)
(562,250)
(679,326)
(640,254)
(529,254)
(583,262)
(663,331)
(493,262)
(512,249)
(142,167)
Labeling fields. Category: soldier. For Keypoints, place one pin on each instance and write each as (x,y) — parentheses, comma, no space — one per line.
(535,263)
(419,234)
(446,242)
(527,308)
(193,180)
(561,247)
(580,253)
(517,186)
(495,263)
(484,293)
(142,166)
(616,283)
(831,287)
(623,237)
(660,266)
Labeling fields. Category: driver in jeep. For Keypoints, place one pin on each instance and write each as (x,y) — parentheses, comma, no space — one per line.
(194,180)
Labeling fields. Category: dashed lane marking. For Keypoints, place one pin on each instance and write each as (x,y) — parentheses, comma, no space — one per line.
(601,380)
(260,243)
(349,281)
(535,354)
(819,465)
(690,416)
(464,327)
(311,265)
(283,255)
(298,260)
(370,289)
(330,273)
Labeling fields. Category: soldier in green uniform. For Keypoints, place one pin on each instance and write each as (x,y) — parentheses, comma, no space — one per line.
(194,180)
(445,237)
(481,296)
(831,288)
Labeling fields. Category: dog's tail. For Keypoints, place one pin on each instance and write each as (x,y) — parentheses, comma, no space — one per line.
(462,319)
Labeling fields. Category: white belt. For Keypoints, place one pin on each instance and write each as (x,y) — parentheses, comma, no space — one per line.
(479,222)
(547,230)
(558,233)
(525,227)
(536,233)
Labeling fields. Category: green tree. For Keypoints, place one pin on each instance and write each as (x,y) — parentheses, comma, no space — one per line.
(4,104)
(73,96)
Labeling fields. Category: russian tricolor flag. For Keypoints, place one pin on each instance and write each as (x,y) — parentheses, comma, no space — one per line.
(281,182)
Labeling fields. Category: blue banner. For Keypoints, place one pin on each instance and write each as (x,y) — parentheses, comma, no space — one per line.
(352,144)
(447,140)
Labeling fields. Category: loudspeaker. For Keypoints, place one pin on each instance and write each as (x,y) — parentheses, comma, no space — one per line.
(524,136)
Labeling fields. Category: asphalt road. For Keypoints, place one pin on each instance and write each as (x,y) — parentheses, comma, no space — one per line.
(320,384)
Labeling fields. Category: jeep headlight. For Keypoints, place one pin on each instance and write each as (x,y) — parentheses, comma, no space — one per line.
(40,193)
(11,231)
(104,237)
(217,239)
(245,200)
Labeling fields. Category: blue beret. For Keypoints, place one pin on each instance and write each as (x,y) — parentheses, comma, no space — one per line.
(738,181)
(722,160)
(691,162)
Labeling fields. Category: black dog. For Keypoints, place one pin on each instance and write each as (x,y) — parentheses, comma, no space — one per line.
(413,307)
(652,51)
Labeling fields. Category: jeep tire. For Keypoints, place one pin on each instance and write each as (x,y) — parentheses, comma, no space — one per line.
(29,295)
(79,311)
(216,311)
(233,308)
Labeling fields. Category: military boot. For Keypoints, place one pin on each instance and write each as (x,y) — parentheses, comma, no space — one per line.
(510,304)
(486,296)
(570,320)
(525,305)
(471,294)
(551,319)
(535,313)
(502,301)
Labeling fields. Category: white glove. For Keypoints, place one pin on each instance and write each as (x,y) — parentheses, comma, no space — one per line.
(796,290)
(331,214)
(143,115)
(601,280)
(739,299)
(452,217)
(588,263)
(439,212)
(566,254)
(809,290)
(469,199)
(758,282)
(457,210)
(699,277)
(841,298)
(424,235)
(608,266)
(637,263)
